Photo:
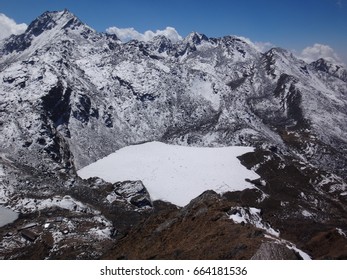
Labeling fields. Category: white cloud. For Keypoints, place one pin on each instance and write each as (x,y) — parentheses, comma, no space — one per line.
(126,34)
(8,27)
(259,46)
(317,51)
(264,46)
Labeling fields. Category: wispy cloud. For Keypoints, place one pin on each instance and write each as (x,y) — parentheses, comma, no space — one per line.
(317,51)
(260,46)
(127,34)
(8,27)
(264,46)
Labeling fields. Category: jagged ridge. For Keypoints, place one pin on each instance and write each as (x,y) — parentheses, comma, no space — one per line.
(200,91)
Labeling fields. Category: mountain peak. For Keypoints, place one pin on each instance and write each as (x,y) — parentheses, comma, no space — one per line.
(195,38)
(49,23)
(161,43)
(334,69)
(324,64)
(48,20)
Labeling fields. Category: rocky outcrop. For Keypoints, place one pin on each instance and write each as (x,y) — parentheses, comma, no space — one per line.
(274,251)
(201,230)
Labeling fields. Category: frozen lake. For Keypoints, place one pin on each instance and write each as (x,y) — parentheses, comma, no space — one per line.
(175,173)
(7,216)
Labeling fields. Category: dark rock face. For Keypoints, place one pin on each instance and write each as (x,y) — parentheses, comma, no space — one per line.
(57,105)
(134,192)
(70,96)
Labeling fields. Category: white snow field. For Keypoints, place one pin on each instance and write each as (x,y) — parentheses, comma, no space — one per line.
(172,173)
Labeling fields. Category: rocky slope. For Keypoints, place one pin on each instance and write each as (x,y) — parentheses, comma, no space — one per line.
(70,96)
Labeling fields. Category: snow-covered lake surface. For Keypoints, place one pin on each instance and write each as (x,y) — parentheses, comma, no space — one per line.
(7,216)
(173,173)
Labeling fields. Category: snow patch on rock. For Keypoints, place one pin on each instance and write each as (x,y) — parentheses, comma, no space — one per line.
(251,215)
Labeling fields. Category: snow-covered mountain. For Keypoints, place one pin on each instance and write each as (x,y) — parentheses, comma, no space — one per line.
(70,96)
(67,90)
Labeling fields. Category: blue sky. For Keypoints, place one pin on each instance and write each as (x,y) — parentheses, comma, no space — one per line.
(294,24)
